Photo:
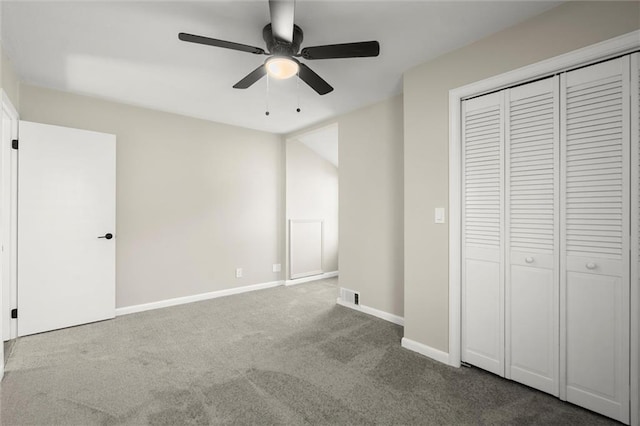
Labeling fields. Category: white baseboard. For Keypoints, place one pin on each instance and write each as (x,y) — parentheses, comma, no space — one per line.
(372,311)
(425,350)
(194,298)
(311,278)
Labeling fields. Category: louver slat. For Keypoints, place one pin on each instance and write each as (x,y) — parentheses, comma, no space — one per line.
(482,169)
(532,158)
(594,175)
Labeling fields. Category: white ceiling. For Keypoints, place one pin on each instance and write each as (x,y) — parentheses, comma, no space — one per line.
(324,142)
(129,51)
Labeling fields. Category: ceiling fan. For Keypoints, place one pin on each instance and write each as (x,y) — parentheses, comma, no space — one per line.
(283,39)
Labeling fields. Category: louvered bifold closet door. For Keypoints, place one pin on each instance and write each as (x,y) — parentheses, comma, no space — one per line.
(532,234)
(635,236)
(482,232)
(595,211)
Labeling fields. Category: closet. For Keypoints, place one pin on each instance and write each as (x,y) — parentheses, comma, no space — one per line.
(546,233)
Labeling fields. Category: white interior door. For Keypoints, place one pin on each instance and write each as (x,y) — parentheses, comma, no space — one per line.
(66,201)
(482,233)
(595,237)
(532,242)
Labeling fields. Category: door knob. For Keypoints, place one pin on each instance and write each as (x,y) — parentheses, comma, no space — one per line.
(108,236)
(528,259)
(591,265)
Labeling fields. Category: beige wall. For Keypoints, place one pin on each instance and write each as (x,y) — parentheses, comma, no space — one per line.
(426,88)
(195,199)
(371,204)
(312,193)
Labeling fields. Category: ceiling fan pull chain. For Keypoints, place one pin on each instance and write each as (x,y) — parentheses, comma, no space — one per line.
(298,89)
(267,100)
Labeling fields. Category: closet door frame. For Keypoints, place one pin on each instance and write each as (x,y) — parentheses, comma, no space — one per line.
(635,239)
(608,49)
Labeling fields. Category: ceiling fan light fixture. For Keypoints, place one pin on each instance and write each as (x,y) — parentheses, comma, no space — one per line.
(281,67)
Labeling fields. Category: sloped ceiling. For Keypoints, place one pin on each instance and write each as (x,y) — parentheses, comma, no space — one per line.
(324,142)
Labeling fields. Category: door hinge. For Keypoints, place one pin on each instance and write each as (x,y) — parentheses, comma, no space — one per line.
(14,313)
(14,144)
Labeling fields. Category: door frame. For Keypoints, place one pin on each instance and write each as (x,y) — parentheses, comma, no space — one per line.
(8,202)
(635,233)
(608,49)
(285,250)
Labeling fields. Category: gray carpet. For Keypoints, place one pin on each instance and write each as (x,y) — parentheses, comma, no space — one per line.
(286,355)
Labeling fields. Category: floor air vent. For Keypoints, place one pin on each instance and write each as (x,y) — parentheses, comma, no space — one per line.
(349,296)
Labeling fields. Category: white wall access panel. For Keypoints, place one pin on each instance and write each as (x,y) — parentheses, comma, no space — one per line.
(635,238)
(482,232)
(595,209)
(66,205)
(532,235)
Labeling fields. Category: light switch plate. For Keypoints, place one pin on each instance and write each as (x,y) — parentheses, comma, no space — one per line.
(439,215)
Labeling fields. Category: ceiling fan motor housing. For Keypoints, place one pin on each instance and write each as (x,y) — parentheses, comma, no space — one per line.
(279,47)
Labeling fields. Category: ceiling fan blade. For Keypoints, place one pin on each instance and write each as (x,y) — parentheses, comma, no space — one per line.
(251,78)
(347,50)
(314,80)
(282,14)
(220,43)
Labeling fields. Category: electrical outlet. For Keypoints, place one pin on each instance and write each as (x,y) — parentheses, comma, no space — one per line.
(277,267)
(238,272)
